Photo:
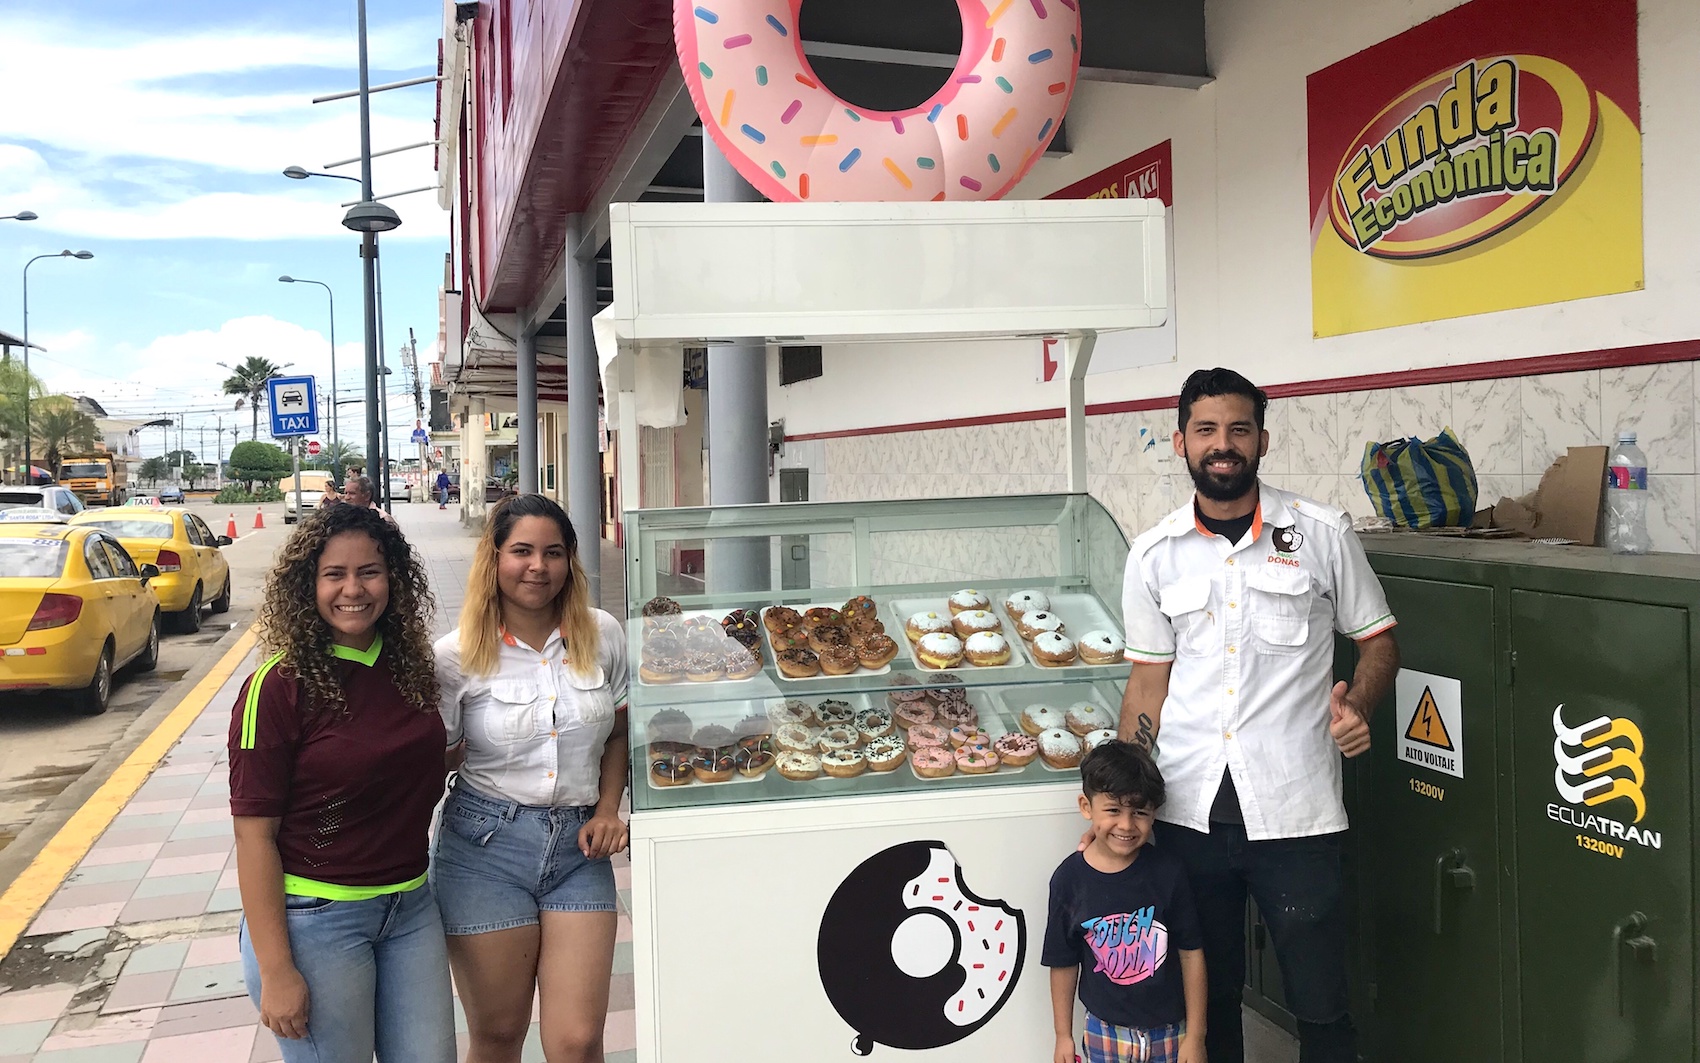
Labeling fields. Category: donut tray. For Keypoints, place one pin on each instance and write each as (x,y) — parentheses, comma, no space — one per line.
(993,724)
(1080,613)
(727,714)
(1017,699)
(773,654)
(900,610)
(716,615)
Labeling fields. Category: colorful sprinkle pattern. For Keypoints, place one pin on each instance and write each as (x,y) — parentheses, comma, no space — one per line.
(1014,93)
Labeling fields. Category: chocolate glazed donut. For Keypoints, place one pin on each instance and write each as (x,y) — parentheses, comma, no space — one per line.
(883,955)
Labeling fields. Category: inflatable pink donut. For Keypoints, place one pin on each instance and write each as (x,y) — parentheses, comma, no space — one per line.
(793,140)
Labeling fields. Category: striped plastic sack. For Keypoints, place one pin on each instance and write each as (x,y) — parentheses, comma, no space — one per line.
(1417,484)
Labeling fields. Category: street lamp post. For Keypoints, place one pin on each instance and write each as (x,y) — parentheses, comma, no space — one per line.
(287,279)
(22,215)
(29,456)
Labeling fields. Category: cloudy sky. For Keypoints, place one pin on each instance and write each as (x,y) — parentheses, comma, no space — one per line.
(154,135)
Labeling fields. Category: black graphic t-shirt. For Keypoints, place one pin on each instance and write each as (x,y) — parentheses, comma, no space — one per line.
(1124,931)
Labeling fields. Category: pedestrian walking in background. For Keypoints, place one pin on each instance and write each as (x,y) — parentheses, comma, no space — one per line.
(534,683)
(443,486)
(1231,605)
(336,764)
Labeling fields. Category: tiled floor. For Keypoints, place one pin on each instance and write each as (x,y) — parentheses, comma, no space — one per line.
(134,959)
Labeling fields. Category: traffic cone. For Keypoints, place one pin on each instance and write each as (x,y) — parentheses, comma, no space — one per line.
(230,529)
(259,521)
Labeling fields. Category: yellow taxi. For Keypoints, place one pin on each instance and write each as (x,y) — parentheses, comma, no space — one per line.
(74,608)
(192,570)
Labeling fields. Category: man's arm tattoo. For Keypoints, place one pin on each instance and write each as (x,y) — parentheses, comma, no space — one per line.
(1144,737)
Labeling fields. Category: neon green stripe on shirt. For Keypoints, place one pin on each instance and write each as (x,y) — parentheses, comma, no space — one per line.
(330,891)
(251,708)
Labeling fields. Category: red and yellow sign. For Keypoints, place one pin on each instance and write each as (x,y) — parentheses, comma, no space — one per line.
(1486,160)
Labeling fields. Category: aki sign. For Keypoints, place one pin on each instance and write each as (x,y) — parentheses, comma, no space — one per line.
(1486,160)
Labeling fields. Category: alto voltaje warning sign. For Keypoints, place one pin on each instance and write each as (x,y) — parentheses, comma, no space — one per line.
(1430,721)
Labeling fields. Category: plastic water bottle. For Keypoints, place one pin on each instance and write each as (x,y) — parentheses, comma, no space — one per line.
(1626,498)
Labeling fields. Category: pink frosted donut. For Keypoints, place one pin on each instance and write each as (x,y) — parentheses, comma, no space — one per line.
(793,139)
(925,734)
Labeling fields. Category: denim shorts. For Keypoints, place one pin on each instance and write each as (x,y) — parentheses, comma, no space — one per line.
(496,863)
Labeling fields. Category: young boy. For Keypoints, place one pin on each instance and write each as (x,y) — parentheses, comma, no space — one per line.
(1122,928)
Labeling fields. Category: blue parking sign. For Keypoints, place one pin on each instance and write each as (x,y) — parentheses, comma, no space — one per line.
(294,406)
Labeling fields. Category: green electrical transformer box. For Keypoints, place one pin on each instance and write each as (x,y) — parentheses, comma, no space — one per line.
(1522,850)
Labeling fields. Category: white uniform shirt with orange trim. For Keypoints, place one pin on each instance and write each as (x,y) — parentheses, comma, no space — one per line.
(535,730)
(1250,631)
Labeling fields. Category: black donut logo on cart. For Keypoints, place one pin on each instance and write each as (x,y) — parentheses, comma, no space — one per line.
(910,957)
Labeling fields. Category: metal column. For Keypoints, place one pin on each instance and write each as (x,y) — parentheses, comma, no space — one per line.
(525,363)
(583,458)
(737,418)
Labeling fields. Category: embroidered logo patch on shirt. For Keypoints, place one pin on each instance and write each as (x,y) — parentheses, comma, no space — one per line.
(1287,540)
(1128,948)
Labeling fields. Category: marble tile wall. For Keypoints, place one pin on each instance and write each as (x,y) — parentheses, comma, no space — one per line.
(1513,428)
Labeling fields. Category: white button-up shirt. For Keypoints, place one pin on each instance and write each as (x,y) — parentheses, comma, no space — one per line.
(1249,629)
(535,730)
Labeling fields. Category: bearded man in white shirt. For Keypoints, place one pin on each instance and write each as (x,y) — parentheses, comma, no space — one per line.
(1232,604)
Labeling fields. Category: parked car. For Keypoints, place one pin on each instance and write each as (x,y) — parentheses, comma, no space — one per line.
(33,515)
(171,495)
(495,490)
(74,609)
(51,496)
(192,570)
(314,482)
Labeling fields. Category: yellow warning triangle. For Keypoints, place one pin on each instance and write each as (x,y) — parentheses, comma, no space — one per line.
(1426,725)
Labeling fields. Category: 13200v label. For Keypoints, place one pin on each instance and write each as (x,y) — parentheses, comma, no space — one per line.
(1597,846)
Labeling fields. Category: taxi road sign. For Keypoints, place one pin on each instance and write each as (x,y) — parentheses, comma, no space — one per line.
(294,404)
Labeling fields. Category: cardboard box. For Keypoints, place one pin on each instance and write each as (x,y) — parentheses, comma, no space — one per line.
(1565,506)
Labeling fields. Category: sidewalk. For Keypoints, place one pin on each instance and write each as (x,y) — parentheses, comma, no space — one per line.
(135,957)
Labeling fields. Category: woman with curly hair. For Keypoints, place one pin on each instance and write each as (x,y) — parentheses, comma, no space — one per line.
(336,763)
(534,682)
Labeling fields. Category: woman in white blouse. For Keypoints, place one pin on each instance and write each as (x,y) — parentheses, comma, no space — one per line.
(534,683)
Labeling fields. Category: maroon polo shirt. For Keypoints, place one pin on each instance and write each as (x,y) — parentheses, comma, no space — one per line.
(354,790)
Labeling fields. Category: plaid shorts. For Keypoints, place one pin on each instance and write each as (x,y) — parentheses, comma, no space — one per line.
(1107,1043)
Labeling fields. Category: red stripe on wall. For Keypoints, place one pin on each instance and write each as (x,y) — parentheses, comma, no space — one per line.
(1576,362)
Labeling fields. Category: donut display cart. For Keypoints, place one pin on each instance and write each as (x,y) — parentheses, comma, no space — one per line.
(881,909)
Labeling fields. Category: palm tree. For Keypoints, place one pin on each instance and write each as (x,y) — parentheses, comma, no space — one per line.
(249,381)
(153,470)
(60,428)
(14,382)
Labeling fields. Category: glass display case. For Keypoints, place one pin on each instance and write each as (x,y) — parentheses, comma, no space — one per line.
(759,673)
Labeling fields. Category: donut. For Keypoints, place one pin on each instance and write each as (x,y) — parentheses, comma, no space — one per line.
(704,667)
(670,769)
(827,636)
(794,140)
(876,651)
(838,660)
(1016,749)
(741,620)
(669,725)
(863,629)
(971,620)
(661,606)
(1052,650)
(873,723)
(911,714)
(933,762)
(796,638)
(791,710)
(821,616)
(946,687)
(712,736)
(713,765)
(939,650)
(1036,622)
(860,607)
(660,670)
(1022,602)
(1100,647)
(1084,717)
(740,663)
(753,756)
(986,649)
(663,644)
(1094,739)
(957,714)
(1036,719)
(750,640)
(976,760)
(798,664)
(968,735)
(843,763)
(833,710)
(798,767)
(964,600)
(706,640)
(753,727)
(837,737)
(926,734)
(922,624)
(796,738)
(885,754)
(780,618)
(1060,749)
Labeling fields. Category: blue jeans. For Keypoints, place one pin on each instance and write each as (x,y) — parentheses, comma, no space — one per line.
(377,976)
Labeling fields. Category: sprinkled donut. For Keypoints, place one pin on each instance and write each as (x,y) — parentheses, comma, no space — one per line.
(792,139)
